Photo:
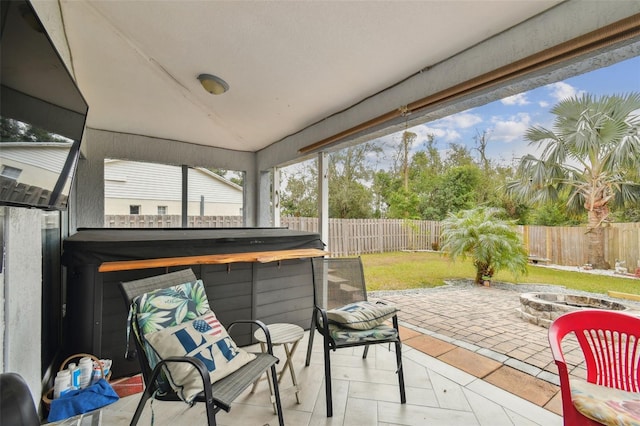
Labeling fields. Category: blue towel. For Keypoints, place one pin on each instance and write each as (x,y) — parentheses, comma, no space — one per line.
(82,401)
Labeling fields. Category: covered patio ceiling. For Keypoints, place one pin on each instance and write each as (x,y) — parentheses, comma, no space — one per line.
(288,64)
(300,71)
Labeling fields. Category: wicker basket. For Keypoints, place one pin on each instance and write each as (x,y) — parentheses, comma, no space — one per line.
(48,396)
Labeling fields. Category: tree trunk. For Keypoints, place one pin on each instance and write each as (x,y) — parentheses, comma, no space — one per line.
(595,249)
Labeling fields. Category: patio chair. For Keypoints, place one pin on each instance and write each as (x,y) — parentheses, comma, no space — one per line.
(158,369)
(16,403)
(609,343)
(344,318)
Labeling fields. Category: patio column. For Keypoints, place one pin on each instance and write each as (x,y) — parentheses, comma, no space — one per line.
(275,196)
(21,296)
(323,198)
(261,210)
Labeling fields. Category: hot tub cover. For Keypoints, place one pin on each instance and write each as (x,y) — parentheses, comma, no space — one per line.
(98,245)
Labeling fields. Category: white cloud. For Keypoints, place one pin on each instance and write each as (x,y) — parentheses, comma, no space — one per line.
(519,99)
(511,129)
(449,134)
(462,120)
(562,90)
(543,104)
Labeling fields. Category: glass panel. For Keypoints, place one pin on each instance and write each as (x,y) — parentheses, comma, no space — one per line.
(215,198)
(51,286)
(35,165)
(133,192)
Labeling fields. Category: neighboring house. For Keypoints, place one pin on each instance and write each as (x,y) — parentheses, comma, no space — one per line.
(36,164)
(150,189)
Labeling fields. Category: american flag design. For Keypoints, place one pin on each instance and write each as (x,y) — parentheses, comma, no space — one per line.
(208,324)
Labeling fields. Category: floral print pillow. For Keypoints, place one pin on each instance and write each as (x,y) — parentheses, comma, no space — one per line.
(606,405)
(170,306)
(163,308)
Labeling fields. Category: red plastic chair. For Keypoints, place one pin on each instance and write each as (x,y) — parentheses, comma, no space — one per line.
(610,343)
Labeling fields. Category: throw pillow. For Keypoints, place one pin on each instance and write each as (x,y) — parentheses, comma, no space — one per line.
(203,338)
(361,315)
(170,306)
(166,307)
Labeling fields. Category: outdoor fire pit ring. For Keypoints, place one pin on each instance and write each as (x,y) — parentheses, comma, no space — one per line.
(542,308)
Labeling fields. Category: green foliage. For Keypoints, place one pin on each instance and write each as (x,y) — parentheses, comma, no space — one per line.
(403,205)
(456,190)
(550,190)
(593,147)
(16,131)
(230,175)
(459,155)
(349,198)
(591,157)
(300,197)
(630,214)
(554,214)
(491,242)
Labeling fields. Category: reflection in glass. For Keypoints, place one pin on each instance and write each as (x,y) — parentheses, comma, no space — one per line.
(150,195)
(34,165)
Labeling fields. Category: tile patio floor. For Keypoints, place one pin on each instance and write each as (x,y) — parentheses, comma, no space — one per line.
(365,393)
(468,357)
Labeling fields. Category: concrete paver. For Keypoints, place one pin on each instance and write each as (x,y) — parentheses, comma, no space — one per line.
(461,323)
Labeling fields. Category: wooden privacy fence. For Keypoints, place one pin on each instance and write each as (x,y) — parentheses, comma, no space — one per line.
(568,245)
(171,221)
(353,237)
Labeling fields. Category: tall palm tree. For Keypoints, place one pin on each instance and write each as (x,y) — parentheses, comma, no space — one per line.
(491,242)
(587,157)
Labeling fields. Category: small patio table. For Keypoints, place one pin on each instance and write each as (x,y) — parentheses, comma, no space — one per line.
(287,335)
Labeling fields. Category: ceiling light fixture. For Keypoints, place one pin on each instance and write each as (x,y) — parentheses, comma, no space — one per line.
(212,84)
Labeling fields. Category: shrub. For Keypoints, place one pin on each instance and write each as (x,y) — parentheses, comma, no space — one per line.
(491,242)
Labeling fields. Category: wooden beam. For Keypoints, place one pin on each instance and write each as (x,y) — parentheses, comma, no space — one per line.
(210,259)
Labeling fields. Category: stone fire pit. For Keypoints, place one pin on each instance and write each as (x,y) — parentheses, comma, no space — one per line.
(542,308)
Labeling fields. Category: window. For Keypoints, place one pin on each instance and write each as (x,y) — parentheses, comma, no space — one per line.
(10,172)
(213,197)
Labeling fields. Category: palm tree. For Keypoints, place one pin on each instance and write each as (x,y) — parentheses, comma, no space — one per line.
(587,158)
(491,242)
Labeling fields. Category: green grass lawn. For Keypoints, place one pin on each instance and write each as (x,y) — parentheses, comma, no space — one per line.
(406,270)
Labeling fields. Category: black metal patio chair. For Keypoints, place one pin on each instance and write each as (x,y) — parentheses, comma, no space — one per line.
(344,318)
(218,395)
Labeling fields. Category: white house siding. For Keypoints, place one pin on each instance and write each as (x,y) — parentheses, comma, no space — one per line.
(40,165)
(220,197)
(150,185)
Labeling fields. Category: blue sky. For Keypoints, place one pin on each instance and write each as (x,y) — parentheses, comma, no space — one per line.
(507,120)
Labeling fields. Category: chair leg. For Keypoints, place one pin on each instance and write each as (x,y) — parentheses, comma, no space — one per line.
(403,396)
(327,378)
(146,394)
(366,351)
(210,407)
(312,332)
(143,400)
(276,391)
(211,416)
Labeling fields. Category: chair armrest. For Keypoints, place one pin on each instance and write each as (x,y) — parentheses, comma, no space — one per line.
(324,320)
(262,326)
(199,366)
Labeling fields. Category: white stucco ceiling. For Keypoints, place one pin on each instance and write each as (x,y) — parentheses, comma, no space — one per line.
(289,64)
